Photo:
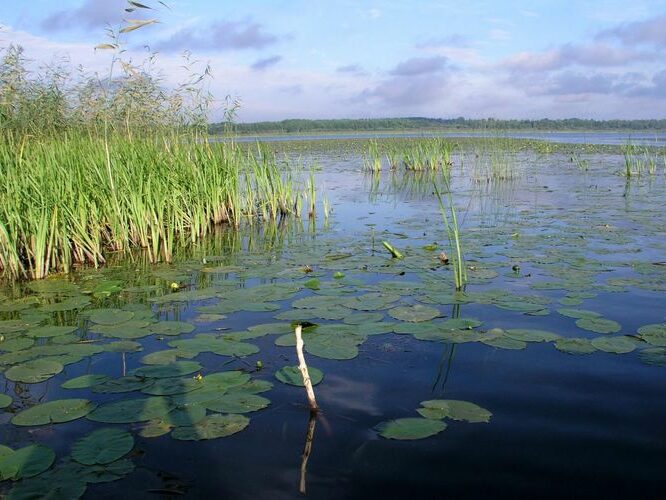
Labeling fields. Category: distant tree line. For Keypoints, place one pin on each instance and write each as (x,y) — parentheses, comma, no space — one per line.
(419,123)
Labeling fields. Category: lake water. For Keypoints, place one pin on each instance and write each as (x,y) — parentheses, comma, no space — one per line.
(554,251)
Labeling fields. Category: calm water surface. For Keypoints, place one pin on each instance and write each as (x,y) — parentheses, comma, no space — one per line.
(562,425)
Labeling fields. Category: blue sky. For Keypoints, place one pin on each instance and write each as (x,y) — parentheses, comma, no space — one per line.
(360,59)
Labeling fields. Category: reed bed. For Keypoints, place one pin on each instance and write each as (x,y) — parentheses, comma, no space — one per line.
(72,198)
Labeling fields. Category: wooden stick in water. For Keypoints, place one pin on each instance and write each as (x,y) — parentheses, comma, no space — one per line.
(303,367)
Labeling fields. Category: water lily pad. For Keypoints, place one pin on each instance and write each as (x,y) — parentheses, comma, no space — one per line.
(271,328)
(133,329)
(333,346)
(84,381)
(454,409)
(133,410)
(105,473)
(461,323)
(102,446)
(109,316)
(238,403)
(168,386)
(50,331)
(128,383)
(362,318)
(578,313)
(292,375)
(599,325)
(155,428)
(26,462)
(410,428)
(177,369)
(575,346)
(16,344)
(5,400)
(166,356)
(49,487)
(212,427)
(123,346)
(414,313)
(530,335)
(54,412)
(34,371)
(655,356)
(171,328)
(654,334)
(616,345)
(504,342)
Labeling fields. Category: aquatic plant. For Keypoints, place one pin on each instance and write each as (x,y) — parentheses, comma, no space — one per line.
(450,219)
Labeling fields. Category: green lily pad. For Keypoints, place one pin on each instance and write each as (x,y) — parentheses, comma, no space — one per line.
(102,446)
(34,371)
(186,415)
(654,334)
(133,410)
(109,316)
(616,345)
(84,381)
(212,427)
(16,344)
(461,323)
(168,386)
(599,325)
(166,356)
(238,403)
(529,335)
(177,369)
(48,487)
(155,428)
(655,356)
(410,428)
(5,400)
(504,342)
(133,329)
(26,462)
(123,346)
(333,346)
(105,473)
(362,318)
(54,412)
(415,313)
(454,409)
(578,313)
(171,328)
(271,328)
(575,346)
(129,383)
(49,331)
(292,375)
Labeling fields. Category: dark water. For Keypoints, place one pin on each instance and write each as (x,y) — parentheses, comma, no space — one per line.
(562,425)
(611,138)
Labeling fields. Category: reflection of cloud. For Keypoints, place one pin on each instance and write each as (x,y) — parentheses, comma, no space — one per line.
(649,32)
(267,62)
(220,35)
(92,14)
(348,394)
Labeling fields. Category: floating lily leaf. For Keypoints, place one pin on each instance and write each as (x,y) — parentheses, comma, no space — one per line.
(371,302)
(109,316)
(333,347)
(129,383)
(575,346)
(212,427)
(54,412)
(655,356)
(505,343)
(238,403)
(155,428)
(271,328)
(186,415)
(84,381)
(168,387)
(654,334)
(49,487)
(461,323)
(167,356)
(50,331)
(34,371)
(616,345)
(102,446)
(171,328)
(13,326)
(598,325)
(222,381)
(205,342)
(133,329)
(209,318)
(5,400)
(415,313)
(410,428)
(69,304)
(578,313)
(103,473)
(26,462)
(529,335)
(16,344)
(53,286)
(123,346)
(177,369)
(133,410)
(362,318)
(454,409)
(292,375)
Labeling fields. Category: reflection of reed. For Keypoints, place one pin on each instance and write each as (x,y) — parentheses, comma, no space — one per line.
(307,449)
(447,357)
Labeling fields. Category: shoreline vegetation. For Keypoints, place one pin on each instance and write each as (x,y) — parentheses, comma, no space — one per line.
(439,125)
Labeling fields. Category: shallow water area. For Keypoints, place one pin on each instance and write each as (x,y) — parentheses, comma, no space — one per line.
(543,377)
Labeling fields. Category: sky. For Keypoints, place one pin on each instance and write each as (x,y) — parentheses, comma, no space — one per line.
(365,59)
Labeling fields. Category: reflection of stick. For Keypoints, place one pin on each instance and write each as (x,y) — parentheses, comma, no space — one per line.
(309,437)
(304,370)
